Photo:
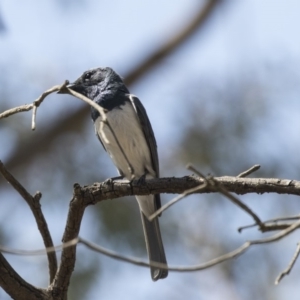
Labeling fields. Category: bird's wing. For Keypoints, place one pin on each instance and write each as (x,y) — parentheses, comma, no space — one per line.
(147,130)
(149,136)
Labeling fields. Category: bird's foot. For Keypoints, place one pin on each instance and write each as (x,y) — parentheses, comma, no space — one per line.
(142,179)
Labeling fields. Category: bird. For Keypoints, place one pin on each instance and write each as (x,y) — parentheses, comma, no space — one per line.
(128,138)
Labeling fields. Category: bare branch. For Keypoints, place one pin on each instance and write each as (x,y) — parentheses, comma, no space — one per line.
(104,191)
(16,286)
(61,281)
(210,181)
(33,106)
(249,171)
(277,226)
(191,168)
(16,110)
(35,206)
(290,266)
(38,101)
(63,89)
(267,227)
(239,203)
(233,254)
(289,218)
(38,251)
(176,199)
(198,267)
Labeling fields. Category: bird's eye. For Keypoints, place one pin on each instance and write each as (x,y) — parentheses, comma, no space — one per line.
(87,76)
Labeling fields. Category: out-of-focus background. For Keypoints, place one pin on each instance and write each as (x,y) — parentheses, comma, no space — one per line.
(225,99)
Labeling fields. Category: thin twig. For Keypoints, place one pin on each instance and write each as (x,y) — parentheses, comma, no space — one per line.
(35,206)
(237,252)
(280,219)
(22,252)
(16,110)
(271,227)
(65,90)
(187,192)
(249,171)
(191,168)
(290,266)
(239,203)
(33,105)
(213,183)
(39,100)
(33,117)
(176,199)
(266,227)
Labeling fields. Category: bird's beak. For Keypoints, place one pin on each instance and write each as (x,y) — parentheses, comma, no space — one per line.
(63,90)
(70,85)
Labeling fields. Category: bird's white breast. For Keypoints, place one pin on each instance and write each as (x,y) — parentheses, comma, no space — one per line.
(127,129)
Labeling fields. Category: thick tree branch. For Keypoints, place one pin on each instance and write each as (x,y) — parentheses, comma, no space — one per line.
(16,286)
(60,285)
(171,185)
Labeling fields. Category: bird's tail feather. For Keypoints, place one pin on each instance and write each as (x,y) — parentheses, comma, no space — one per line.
(154,246)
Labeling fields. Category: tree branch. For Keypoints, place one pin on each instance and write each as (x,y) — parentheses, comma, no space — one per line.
(230,255)
(290,266)
(61,281)
(16,286)
(103,191)
(249,171)
(87,195)
(35,206)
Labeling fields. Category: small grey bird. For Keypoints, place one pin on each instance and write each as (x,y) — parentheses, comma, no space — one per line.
(136,150)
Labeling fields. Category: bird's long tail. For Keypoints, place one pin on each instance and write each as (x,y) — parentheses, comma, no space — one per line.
(154,245)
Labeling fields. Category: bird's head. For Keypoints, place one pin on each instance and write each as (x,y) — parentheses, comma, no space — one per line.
(96,81)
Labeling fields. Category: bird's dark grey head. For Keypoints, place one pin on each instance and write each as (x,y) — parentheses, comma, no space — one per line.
(98,81)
